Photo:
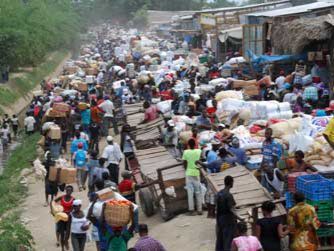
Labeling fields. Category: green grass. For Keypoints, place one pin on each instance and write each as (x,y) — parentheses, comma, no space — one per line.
(20,86)
(13,233)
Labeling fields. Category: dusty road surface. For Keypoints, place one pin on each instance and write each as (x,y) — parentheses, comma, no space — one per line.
(183,233)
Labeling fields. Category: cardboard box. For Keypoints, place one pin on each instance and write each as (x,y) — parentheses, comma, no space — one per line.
(66,175)
(61,107)
(55,114)
(81,86)
(71,69)
(54,132)
(91,71)
(106,194)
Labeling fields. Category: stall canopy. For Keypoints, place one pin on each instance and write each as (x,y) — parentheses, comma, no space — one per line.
(259,61)
(233,34)
(294,36)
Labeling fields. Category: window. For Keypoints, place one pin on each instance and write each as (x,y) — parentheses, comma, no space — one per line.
(253,39)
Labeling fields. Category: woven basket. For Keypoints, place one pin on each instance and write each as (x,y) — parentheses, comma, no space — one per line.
(116,215)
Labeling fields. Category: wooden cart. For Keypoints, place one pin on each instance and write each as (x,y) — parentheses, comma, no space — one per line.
(158,166)
(247,192)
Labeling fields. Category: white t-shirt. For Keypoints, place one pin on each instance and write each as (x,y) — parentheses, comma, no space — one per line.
(29,123)
(280,82)
(112,153)
(108,107)
(5,133)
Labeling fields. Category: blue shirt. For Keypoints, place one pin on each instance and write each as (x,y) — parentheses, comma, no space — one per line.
(215,166)
(270,150)
(74,145)
(240,155)
(212,156)
(85,117)
(202,121)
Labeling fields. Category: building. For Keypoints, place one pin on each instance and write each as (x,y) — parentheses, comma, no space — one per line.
(259,26)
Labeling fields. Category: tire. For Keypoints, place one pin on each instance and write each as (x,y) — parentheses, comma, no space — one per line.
(146,201)
(165,215)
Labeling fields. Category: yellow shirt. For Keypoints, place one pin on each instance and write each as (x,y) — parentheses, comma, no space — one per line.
(329,131)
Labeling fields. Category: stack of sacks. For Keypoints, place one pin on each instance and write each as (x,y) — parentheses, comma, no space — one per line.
(204,89)
(229,94)
(182,123)
(320,153)
(181,86)
(165,107)
(206,137)
(269,110)
(287,127)
(219,82)
(247,141)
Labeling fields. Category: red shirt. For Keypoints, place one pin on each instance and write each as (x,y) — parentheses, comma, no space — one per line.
(211,112)
(126,186)
(67,205)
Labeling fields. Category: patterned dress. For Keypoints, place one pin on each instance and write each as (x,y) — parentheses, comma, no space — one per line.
(303,223)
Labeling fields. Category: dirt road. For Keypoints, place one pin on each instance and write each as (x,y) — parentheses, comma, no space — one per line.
(183,233)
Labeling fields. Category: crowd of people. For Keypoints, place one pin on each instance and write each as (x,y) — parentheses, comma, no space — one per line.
(96,153)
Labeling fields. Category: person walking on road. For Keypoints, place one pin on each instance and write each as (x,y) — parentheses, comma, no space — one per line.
(193,183)
(112,153)
(109,116)
(226,216)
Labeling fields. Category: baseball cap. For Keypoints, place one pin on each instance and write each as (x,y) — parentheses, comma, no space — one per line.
(171,123)
(77,203)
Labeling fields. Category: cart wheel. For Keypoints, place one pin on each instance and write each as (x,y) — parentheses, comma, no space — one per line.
(146,201)
(165,215)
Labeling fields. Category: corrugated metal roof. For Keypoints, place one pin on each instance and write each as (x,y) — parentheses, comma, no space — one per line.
(241,7)
(293,10)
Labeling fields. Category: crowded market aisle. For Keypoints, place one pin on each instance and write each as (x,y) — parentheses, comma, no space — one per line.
(205,148)
(180,229)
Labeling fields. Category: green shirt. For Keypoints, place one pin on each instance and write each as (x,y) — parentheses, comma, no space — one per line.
(120,243)
(191,156)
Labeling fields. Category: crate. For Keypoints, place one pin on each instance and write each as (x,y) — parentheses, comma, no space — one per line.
(314,187)
(289,201)
(324,209)
(292,177)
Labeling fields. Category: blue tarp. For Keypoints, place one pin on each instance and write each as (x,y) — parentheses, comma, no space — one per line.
(258,61)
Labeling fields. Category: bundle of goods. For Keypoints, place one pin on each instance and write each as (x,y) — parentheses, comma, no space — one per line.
(54,132)
(61,107)
(56,208)
(39,169)
(106,194)
(117,212)
(269,109)
(90,79)
(184,119)
(206,137)
(229,94)
(287,127)
(185,136)
(320,153)
(70,69)
(242,83)
(67,175)
(80,86)
(247,141)
(204,89)
(83,106)
(55,114)
(164,106)
(219,82)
